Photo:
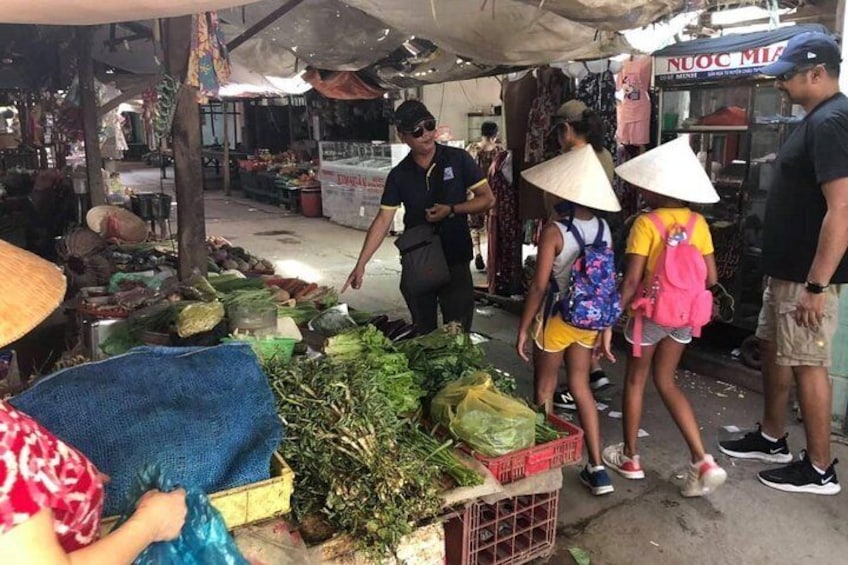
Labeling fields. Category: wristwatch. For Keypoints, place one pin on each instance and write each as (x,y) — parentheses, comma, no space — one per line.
(815,288)
(452,212)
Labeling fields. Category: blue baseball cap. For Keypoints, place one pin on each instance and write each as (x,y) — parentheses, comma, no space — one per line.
(805,49)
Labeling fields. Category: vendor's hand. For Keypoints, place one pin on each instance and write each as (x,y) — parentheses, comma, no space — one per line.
(104,478)
(810,310)
(438,213)
(603,346)
(522,346)
(354,280)
(163,514)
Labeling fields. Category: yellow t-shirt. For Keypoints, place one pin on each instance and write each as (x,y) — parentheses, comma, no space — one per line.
(645,240)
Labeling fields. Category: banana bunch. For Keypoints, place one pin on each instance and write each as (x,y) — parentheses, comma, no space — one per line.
(166,105)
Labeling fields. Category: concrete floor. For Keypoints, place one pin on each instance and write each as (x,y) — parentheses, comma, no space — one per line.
(643,522)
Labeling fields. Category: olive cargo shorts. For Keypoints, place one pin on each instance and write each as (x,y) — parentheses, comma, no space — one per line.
(796,345)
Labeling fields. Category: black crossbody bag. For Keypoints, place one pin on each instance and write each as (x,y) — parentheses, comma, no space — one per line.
(424,268)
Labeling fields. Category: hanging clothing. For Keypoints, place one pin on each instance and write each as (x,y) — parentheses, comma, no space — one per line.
(634,116)
(597,91)
(208,61)
(552,89)
(505,229)
(484,160)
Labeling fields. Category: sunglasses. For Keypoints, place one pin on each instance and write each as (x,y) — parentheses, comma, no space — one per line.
(418,131)
(789,75)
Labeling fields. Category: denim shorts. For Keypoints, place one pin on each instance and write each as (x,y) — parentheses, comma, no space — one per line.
(653,333)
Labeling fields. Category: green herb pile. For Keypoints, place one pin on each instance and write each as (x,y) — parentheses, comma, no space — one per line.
(432,451)
(447,355)
(442,356)
(370,348)
(342,440)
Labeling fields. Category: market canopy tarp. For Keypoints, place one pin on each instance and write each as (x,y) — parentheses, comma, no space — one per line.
(90,12)
(612,15)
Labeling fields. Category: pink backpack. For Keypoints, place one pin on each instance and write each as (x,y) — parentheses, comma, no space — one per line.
(678,295)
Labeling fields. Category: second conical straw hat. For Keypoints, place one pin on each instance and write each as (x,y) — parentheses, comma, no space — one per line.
(671,169)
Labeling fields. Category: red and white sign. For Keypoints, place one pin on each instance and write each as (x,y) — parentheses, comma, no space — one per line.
(709,66)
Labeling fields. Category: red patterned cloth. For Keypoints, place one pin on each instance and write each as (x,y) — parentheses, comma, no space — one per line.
(37,471)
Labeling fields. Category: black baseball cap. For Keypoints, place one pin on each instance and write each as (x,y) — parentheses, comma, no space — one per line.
(410,114)
(808,48)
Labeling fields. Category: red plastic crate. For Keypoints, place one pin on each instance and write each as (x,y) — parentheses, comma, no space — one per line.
(512,531)
(534,460)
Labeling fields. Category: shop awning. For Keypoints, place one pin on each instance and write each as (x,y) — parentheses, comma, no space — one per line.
(738,42)
(89,12)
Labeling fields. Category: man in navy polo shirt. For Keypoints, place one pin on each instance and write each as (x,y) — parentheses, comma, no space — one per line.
(432,183)
(805,238)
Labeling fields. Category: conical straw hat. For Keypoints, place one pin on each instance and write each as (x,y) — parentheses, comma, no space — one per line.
(30,289)
(671,169)
(131,228)
(576,176)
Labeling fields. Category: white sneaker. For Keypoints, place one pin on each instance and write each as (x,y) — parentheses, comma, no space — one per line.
(703,478)
(627,467)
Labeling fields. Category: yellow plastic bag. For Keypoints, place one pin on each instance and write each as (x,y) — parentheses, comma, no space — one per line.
(488,421)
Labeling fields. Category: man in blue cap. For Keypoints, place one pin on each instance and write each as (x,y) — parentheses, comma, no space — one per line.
(805,240)
(432,183)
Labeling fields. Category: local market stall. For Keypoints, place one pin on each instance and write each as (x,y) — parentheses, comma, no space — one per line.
(399,443)
(711,92)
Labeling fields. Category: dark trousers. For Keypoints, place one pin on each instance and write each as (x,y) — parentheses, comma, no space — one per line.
(455,299)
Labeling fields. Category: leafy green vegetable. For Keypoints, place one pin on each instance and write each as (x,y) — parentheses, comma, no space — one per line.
(442,356)
(342,442)
(430,450)
(229,283)
(368,346)
(301,314)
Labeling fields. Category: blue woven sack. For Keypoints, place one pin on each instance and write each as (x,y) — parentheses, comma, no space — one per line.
(205,416)
(204,539)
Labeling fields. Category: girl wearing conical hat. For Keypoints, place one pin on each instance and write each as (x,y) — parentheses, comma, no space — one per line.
(670,242)
(579,184)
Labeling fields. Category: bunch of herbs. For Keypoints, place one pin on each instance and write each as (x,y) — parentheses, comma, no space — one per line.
(342,442)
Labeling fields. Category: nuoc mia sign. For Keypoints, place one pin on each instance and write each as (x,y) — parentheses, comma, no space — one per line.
(712,66)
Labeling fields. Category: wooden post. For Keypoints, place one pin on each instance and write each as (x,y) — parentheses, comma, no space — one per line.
(226,149)
(88,104)
(188,171)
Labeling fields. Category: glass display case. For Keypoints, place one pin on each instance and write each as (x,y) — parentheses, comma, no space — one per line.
(353,175)
(735,128)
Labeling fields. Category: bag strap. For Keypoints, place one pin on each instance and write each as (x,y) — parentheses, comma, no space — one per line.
(690,225)
(659,225)
(599,239)
(575,232)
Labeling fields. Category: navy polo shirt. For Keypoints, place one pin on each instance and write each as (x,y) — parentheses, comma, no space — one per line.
(447,180)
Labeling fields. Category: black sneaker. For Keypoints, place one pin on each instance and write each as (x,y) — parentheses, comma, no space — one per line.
(754,446)
(564,401)
(801,476)
(598,380)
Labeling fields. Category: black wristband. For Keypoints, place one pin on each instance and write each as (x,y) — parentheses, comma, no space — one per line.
(815,288)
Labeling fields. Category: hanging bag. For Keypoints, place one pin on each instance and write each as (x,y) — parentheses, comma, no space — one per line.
(424,268)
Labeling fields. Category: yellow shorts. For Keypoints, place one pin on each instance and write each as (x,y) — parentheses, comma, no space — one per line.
(558,336)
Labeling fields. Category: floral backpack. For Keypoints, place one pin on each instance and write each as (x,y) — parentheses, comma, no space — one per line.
(592,300)
(678,295)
